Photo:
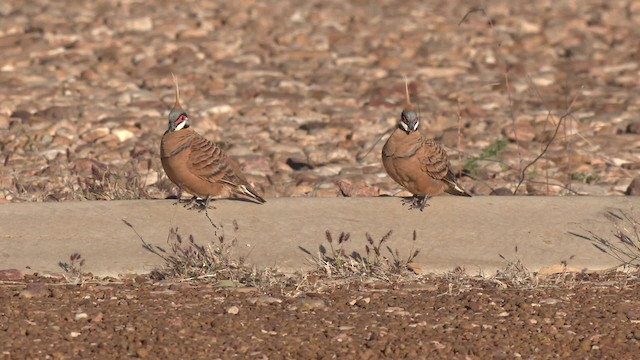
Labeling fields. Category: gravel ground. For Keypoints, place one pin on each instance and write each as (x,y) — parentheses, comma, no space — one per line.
(296,90)
(438,317)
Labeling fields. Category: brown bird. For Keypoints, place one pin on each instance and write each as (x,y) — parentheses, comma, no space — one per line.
(199,166)
(419,164)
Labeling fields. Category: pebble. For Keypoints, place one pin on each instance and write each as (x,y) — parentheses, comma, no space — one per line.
(233,310)
(34,290)
(307,304)
(11,275)
(81,316)
(264,300)
(634,188)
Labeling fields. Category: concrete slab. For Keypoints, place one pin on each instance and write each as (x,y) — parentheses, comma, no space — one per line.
(453,231)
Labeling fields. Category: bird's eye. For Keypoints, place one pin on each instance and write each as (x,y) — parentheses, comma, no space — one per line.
(183,117)
(404,119)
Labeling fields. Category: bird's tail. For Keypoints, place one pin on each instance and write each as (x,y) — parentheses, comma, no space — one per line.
(251,193)
(455,189)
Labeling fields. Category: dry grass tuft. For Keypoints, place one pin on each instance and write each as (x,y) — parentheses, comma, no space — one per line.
(625,245)
(336,263)
(73,273)
(215,261)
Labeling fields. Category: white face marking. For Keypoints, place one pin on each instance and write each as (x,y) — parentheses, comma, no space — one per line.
(404,126)
(415,127)
(181,125)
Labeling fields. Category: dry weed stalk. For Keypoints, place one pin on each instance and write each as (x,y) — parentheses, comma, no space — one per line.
(187,260)
(515,274)
(626,246)
(336,263)
(73,269)
(109,184)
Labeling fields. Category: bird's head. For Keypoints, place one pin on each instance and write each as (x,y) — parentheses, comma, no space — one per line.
(409,119)
(178,118)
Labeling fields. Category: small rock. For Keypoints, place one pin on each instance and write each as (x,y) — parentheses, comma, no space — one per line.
(397,311)
(233,310)
(35,290)
(318,157)
(549,301)
(53,153)
(81,316)
(342,337)
(632,311)
(11,275)
(501,192)
(634,187)
(301,190)
(123,134)
(420,287)
(264,300)
(305,304)
(142,353)
(415,268)
(139,24)
(363,302)
(74,334)
(58,113)
(98,318)
(4,122)
(298,164)
(524,132)
(219,109)
(634,127)
(89,75)
(348,189)
(95,134)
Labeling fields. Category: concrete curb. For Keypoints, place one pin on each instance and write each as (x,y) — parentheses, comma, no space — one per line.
(453,231)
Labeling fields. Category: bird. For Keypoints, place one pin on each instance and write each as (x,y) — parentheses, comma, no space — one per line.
(418,164)
(198,165)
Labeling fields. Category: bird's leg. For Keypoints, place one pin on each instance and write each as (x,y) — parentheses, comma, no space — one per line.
(416,202)
(199,204)
(188,203)
(422,203)
(204,203)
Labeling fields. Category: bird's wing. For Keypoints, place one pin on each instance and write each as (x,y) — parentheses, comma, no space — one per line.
(435,163)
(209,162)
(434,160)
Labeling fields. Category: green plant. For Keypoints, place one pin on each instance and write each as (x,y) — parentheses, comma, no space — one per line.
(585,178)
(490,153)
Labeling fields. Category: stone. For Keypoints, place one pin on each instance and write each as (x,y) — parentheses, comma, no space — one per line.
(11,275)
(634,188)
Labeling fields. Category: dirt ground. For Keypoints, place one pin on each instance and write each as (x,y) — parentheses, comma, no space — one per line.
(432,317)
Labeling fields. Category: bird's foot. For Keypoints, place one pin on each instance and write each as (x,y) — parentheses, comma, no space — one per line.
(416,202)
(201,204)
(179,200)
(196,203)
